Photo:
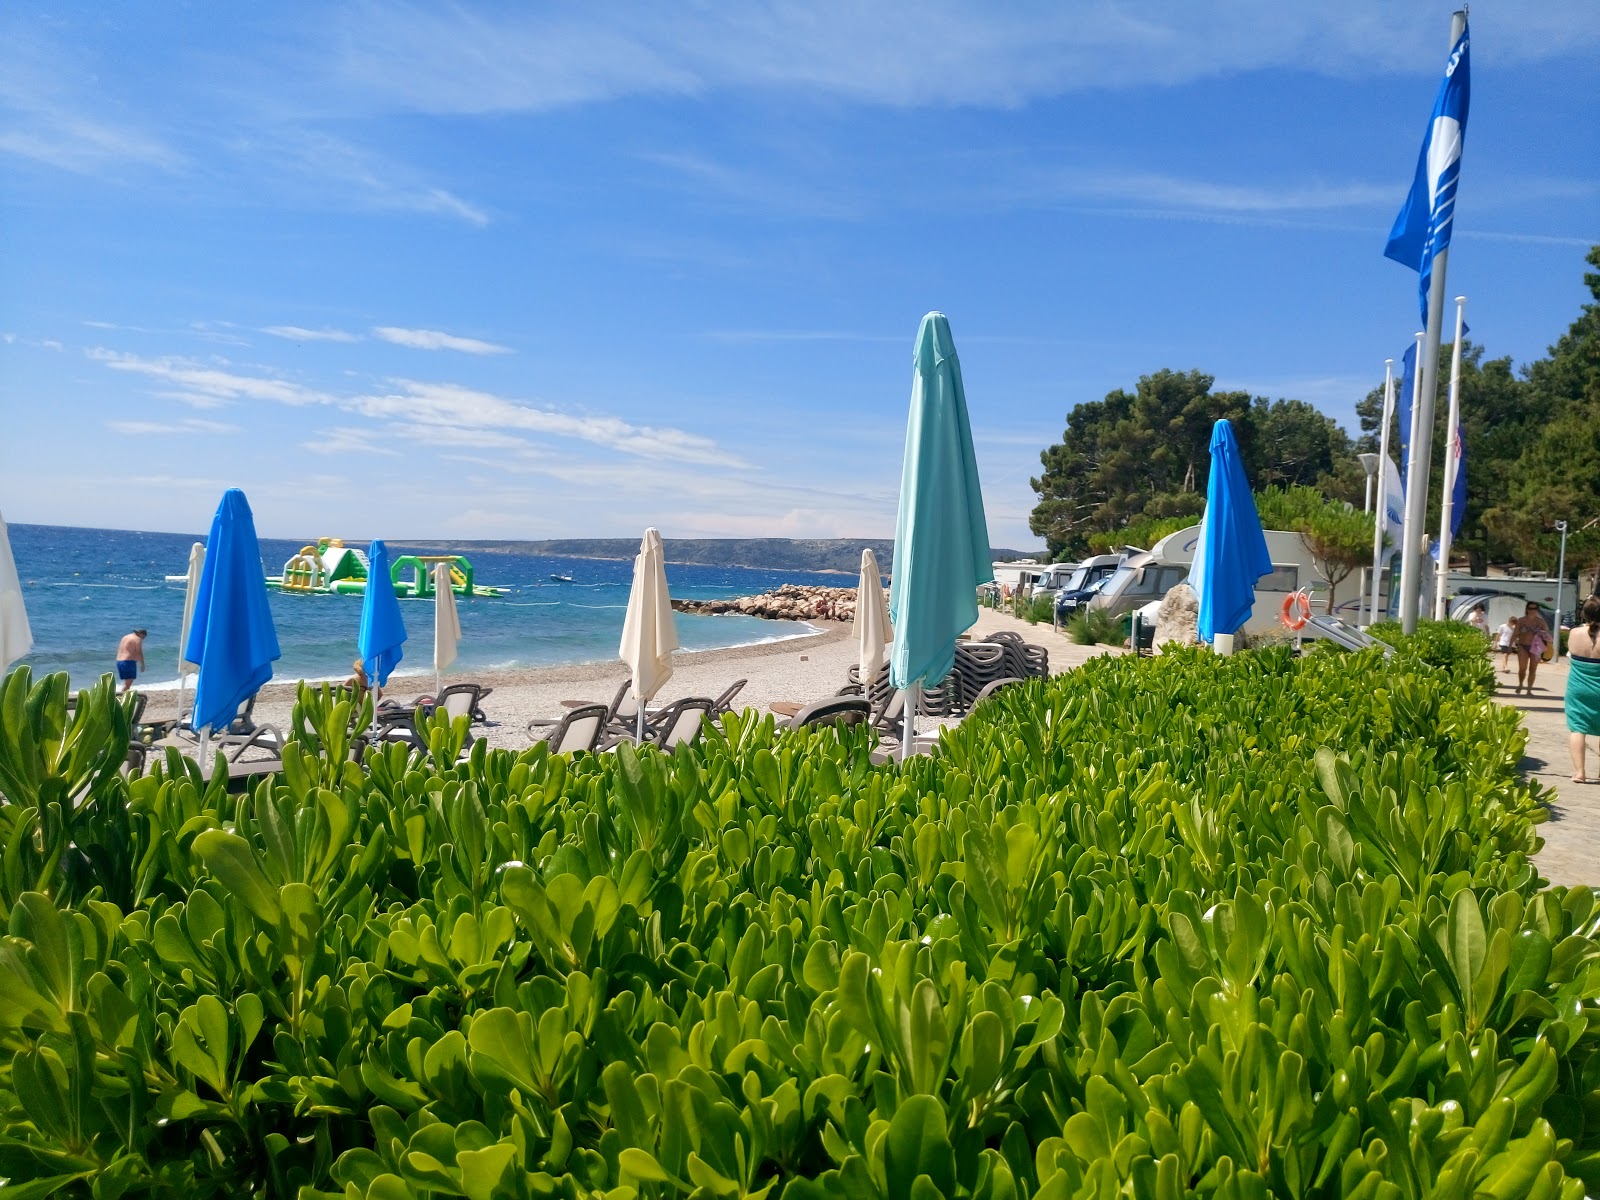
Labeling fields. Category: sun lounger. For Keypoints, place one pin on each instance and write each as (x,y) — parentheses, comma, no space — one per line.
(889,715)
(581,729)
(724,702)
(459,700)
(992,687)
(400,725)
(833,710)
(242,733)
(678,724)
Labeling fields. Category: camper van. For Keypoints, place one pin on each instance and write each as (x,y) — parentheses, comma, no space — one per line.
(1541,589)
(1148,577)
(1018,576)
(1074,582)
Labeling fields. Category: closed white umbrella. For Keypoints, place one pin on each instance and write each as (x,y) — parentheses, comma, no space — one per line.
(191,588)
(649,633)
(446,624)
(871,626)
(16,639)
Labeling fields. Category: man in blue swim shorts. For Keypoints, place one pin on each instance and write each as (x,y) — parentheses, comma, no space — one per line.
(130,657)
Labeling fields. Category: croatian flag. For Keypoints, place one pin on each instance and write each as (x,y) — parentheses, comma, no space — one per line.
(1458,494)
(1423,227)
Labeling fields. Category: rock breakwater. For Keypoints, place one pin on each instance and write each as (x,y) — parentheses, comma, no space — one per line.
(791,602)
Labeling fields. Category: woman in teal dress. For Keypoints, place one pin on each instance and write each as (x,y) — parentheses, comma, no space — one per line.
(1583,684)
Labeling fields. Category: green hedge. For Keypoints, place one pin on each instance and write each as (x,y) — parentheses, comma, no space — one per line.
(1454,646)
(1234,927)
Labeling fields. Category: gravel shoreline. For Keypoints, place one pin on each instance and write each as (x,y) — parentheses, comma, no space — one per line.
(800,669)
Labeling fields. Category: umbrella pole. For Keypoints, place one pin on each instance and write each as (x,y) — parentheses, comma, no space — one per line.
(909,736)
(640,736)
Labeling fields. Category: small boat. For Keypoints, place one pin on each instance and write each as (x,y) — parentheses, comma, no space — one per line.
(560,578)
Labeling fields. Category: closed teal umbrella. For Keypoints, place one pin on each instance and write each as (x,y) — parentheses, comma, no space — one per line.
(941,542)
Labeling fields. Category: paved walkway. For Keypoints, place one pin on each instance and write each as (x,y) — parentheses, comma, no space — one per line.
(1571,853)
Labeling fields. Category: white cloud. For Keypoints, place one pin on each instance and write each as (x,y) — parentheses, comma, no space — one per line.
(1150,190)
(443,414)
(41,120)
(346,440)
(194,379)
(432,339)
(164,428)
(297,333)
(320,170)
(451,407)
(962,52)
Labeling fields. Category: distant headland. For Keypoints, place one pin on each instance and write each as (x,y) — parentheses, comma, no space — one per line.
(841,555)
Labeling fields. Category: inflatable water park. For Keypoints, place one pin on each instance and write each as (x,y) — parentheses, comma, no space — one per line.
(332,568)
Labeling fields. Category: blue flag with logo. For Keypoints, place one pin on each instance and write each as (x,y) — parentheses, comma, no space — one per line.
(1423,226)
(1408,387)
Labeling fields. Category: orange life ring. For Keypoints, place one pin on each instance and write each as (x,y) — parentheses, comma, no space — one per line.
(1296,612)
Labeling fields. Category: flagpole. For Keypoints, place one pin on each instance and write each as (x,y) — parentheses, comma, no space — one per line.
(1381,525)
(1421,456)
(1451,466)
(1361,594)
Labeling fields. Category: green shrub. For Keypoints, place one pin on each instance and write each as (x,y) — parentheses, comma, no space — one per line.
(1092,626)
(1041,610)
(1236,927)
(1454,646)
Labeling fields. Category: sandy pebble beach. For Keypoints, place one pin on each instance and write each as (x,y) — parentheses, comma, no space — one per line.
(799,669)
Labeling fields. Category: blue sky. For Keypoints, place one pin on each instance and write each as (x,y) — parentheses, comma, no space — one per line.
(562,270)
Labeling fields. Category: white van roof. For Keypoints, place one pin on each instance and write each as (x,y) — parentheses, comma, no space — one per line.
(1283,547)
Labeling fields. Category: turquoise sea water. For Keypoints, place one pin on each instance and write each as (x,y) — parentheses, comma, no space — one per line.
(85,588)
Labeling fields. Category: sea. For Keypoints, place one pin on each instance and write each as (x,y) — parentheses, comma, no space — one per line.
(86,588)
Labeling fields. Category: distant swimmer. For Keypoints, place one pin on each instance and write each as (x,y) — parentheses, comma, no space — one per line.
(130,657)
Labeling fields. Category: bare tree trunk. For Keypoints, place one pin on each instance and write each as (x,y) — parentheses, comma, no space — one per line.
(1333,587)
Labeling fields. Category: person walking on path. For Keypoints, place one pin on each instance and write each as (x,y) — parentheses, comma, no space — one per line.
(1502,642)
(1531,638)
(1479,620)
(130,658)
(1583,684)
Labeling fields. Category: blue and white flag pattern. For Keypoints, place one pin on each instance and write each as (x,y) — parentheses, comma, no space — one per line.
(1408,387)
(1392,507)
(1423,227)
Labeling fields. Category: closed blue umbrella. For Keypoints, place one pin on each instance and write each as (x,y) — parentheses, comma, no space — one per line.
(941,543)
(1232,553)
(231,637)
(383,633)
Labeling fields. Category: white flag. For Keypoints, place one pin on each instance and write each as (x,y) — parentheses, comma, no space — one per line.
(1392,512)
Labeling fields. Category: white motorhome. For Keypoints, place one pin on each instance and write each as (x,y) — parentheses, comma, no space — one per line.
(1077,576)
(1017,575)
(1148,577)
(1541,589)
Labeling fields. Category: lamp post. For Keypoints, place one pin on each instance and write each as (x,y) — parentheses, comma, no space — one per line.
(1561,578)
